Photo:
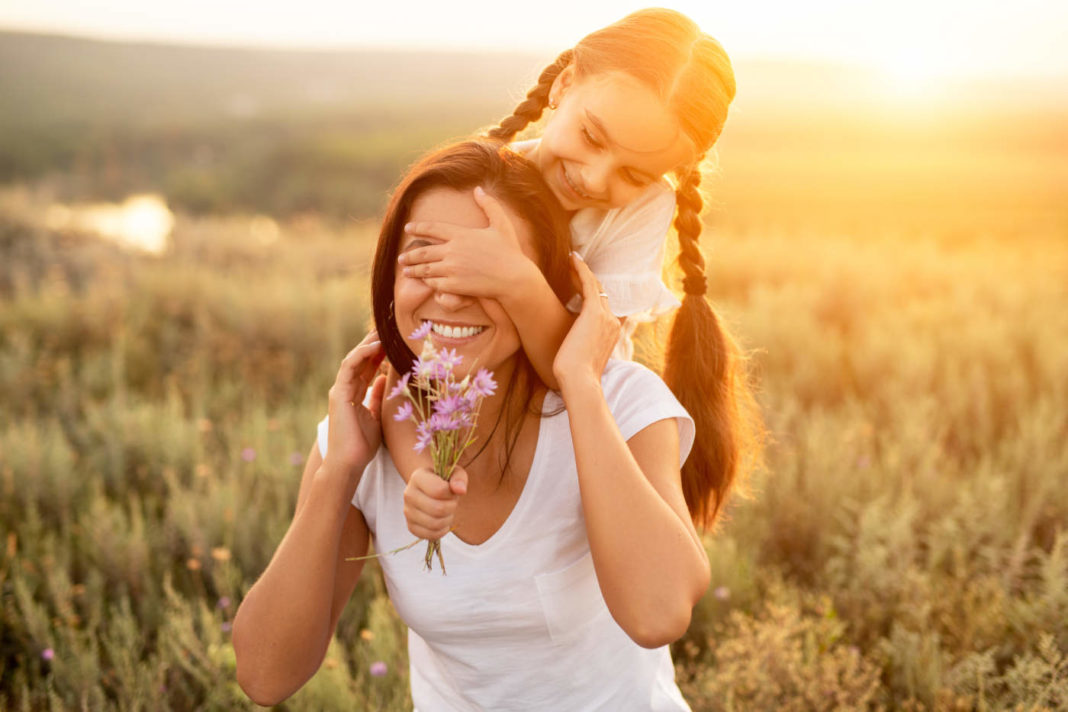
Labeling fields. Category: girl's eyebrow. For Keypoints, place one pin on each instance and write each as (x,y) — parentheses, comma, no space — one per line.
(599,125)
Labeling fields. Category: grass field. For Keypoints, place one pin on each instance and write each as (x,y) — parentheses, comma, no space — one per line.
(905,548)
(901,287)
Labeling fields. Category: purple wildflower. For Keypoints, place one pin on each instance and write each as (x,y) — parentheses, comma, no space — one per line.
(483,383)
(248,454)
(224,602)
(295,458)
(378,669)
(422,331)
(448,359)
(400,388)
(423,436)
(404,412)
(721,592)
(48,654)
(425,369)
(450,404)
(226,626)
(440,421)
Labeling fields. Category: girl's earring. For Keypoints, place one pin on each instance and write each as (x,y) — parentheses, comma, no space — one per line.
(391,314)
(552,104)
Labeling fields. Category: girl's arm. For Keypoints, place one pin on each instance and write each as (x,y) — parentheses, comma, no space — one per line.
(489,263)
(650,564)
(284,624)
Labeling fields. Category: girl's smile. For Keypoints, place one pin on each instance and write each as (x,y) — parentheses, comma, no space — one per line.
(611,137)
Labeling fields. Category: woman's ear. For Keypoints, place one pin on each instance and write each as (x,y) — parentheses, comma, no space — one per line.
(561,84)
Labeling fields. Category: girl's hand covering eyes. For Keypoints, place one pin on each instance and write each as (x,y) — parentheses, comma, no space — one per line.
(476,262)
(589,344)
(355,432)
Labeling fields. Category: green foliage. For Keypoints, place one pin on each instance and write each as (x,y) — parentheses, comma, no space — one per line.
(904,548)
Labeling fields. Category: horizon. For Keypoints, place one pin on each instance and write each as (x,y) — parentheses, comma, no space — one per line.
(908,41)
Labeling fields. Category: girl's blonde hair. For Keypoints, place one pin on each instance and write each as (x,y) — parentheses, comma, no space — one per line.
(691,72)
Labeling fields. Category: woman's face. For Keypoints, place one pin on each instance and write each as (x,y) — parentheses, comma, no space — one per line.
(478,329)
(609,138)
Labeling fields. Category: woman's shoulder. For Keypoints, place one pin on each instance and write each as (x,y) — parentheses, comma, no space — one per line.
(638,397)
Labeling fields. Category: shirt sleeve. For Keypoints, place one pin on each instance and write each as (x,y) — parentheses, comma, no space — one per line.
(625,249)
(638,398)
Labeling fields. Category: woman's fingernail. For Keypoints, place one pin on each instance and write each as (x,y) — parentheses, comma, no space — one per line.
(479,191)
(408,227)
(577,256)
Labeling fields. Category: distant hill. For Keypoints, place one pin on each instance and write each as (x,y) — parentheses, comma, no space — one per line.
(288,131)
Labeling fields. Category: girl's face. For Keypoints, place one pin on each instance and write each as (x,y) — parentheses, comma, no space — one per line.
(610,137)
(478,329)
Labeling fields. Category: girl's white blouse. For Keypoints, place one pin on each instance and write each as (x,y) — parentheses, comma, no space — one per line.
(625,248)
(518,622)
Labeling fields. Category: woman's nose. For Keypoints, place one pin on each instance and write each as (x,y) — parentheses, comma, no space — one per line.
(448,300)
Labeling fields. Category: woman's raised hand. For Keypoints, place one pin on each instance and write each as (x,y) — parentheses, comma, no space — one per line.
(475,262)
(355,431)
(589,344)
(430,502)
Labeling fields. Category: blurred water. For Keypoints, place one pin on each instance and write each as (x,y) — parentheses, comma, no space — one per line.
(141,222)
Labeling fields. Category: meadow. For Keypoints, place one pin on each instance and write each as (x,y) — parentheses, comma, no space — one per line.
(904,547)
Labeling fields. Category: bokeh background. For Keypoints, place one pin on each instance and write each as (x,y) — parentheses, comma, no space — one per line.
(188,200)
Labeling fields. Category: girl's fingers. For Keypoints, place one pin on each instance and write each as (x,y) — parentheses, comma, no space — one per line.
(437,230)
(493,209)
(419,255)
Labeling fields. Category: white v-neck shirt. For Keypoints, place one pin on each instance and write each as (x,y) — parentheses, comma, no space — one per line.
(519,623)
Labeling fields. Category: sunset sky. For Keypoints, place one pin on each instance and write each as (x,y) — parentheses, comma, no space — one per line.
(910,38)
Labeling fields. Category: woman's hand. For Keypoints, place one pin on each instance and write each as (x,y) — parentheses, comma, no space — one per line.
(588,346)
(355,431)
(430,502)
(475,262)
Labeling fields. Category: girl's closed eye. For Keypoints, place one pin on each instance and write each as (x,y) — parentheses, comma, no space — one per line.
(588,138)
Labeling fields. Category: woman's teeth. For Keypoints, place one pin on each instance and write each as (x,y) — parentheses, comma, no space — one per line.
(456,332)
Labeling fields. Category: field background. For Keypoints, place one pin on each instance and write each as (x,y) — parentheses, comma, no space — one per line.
(896,265)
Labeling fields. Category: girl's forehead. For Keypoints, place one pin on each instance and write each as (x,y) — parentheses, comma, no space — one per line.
(632,118)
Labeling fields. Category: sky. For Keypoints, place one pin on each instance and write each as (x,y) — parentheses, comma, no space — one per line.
(911,39)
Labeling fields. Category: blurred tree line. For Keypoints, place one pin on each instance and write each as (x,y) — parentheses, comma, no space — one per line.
(218,130)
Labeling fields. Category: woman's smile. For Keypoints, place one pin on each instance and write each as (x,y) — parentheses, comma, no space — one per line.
(452,333)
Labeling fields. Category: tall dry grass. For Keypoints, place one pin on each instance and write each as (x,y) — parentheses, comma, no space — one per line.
(905,547)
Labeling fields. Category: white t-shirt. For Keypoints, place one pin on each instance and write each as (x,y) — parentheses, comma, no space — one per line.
(519,623)
(624,247)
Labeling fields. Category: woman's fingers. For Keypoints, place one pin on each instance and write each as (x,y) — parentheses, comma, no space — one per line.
(429,504)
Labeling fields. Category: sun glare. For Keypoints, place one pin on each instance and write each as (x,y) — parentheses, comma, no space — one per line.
(913,74)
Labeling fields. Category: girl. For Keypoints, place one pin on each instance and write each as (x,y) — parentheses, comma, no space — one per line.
(644,97)
(573,562)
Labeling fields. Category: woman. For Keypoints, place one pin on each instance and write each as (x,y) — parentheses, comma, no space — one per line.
(573,560)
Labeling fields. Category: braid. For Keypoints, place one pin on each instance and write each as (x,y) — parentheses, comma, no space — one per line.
(529,110)
(688,225)
(706,372)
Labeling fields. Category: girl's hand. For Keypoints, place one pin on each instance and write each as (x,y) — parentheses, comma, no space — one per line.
(430,502)
(355,432)
(476,262)
(589,344)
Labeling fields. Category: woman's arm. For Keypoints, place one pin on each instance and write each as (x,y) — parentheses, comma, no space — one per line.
(651,566)
(284,624)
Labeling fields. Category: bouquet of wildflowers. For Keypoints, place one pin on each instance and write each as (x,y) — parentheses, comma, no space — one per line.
(443,409)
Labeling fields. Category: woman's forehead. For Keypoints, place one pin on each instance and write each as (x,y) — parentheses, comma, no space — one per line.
(458,207)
